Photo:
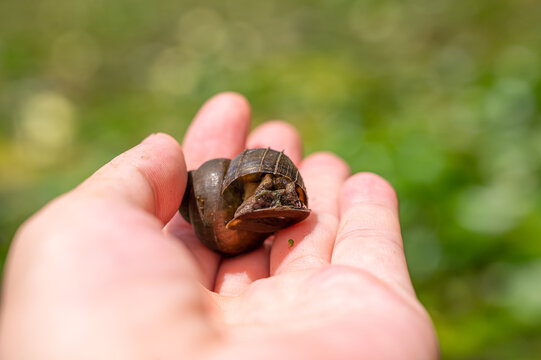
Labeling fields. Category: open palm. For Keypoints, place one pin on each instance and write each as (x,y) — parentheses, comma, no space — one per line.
(95,274)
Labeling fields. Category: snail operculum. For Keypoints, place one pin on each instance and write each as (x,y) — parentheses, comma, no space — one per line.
(272,205)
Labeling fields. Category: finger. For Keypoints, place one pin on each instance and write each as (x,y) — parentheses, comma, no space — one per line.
(95,260)
(218,130)
(151,176)
(369,235)
(279,136)
(236,274)
(313,239)
(109,228)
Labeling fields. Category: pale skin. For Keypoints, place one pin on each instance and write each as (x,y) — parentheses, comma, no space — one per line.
(111,271)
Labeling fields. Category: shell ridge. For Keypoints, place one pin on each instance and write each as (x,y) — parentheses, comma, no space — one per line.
(278,162)
(237,170)
(263,159)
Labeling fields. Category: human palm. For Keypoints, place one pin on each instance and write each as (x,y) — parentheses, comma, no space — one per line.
(95,274)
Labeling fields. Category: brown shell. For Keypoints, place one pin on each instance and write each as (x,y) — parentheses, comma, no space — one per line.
(208,211)
(252,164)
(217,190)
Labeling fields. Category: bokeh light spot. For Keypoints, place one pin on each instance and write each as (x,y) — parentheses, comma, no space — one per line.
(45,129)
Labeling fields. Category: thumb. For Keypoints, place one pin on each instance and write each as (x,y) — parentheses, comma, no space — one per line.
(150,176)
(94,271)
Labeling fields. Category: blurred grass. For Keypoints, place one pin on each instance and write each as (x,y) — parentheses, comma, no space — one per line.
(440,97)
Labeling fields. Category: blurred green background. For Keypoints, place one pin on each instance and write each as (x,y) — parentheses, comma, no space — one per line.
(440,97)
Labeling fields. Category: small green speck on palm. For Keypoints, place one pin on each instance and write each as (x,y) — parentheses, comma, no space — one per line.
(291,242)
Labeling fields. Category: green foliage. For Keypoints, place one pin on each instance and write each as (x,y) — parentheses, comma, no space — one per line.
(440,97)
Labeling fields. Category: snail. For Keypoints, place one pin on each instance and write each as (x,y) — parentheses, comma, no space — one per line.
(234,205)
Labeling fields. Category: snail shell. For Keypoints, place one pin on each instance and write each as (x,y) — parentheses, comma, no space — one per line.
(234,205)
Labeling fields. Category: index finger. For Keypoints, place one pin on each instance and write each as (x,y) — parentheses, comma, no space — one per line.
(219,130)
(369,235)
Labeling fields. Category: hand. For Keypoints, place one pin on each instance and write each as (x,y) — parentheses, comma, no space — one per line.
(97,275)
